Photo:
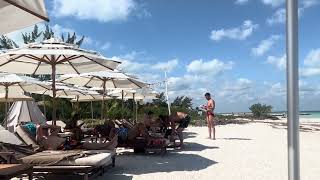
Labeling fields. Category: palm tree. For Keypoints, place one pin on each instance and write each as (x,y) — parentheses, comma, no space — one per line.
(6,43)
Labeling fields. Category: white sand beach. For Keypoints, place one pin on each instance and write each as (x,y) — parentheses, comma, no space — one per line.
(253,151)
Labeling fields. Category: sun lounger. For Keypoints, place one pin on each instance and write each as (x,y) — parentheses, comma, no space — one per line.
(86,162)
(8,171)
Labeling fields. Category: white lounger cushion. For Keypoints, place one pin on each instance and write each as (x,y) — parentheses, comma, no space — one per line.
(98,158)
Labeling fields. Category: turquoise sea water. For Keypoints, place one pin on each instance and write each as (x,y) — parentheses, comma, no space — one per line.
(306,114)
(310,114)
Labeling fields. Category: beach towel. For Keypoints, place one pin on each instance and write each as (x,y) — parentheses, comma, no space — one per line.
(47,158)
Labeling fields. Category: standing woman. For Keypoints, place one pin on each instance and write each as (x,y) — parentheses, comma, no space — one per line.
(209,108)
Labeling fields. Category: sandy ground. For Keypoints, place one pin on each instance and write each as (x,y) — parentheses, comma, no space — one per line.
(254,151)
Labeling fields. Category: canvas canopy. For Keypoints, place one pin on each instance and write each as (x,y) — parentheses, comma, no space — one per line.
(18,14)
(24,111)
(12,97)
(53,56)
(103,79)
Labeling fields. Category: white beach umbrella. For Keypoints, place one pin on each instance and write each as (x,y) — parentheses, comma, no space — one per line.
(135,95)
(104,80)
(75,94)
(18,14)
(90,98)
(12,84)
(53,57)
(12,97)
(65,91)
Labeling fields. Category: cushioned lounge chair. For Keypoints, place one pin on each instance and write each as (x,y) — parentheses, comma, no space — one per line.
(85,162)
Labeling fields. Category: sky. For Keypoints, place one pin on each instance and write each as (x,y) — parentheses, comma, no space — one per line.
(234,49)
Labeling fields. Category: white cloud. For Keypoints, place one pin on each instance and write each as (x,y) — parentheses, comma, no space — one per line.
(239,85)
(277,3)
(241,2)
(166,66)
(279,62)
(265,45)
(309,3)
(239,33)
(212,67)
(239,90)
(273,3)
(145,68)
(100,10)
(277,89)
(105,46)
(313,58)
(308,72)
(279,17)
(130,66)
(59,30)
(132,55)
(311,64)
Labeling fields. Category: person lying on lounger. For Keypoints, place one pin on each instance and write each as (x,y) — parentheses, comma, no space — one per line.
(47,137)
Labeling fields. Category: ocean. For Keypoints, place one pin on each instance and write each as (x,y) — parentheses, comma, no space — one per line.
(304,114)
(310,114)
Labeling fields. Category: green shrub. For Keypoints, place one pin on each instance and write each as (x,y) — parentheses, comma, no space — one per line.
(260,110)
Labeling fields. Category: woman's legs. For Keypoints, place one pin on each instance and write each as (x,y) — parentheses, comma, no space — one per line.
(209,126)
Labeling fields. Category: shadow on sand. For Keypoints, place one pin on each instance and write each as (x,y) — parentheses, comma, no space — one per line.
(187,135)
(128,163)
(190,146)
(144,164)
(236,139)
(110,175)
(303,127)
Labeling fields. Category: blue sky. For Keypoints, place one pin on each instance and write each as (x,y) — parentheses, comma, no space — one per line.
(234,49)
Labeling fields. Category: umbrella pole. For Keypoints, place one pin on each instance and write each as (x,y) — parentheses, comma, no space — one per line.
(44,106)
(136,111)
(53,76)
(91,109)
(133,107)
(293,90)
(6,108)
(77,106)
(103,95)
(122,104)
(167,95)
